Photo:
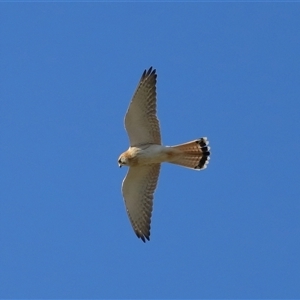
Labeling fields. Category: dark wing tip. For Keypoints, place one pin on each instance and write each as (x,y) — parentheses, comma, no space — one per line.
(142,236)
(149,73)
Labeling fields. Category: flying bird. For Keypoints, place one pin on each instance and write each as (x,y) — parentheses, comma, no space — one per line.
(146,153)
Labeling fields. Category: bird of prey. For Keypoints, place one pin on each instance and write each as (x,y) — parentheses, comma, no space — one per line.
(146,153)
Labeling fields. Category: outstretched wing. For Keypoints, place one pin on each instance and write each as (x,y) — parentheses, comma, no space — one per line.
(138,188)
(141,121)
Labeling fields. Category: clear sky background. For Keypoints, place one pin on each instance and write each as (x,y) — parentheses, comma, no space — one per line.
(228,71)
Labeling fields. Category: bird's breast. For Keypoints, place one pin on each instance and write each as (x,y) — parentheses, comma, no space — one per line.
(151,154)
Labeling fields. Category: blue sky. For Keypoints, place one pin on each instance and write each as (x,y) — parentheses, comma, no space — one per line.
(228,71)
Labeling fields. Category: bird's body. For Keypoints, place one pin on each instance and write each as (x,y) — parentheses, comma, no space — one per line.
(146,153)
(157,154)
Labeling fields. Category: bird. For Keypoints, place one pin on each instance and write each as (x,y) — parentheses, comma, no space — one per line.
(146,153)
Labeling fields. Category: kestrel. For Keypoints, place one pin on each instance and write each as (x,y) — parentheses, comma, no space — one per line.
(146,153)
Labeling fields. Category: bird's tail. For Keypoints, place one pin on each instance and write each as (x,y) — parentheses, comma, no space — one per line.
(194,154)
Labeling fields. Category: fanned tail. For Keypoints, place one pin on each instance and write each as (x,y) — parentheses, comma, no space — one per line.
(193,155)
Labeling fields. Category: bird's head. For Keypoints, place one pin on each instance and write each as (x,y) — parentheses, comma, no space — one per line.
(123,160)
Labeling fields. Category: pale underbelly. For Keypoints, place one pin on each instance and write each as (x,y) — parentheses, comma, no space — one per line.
(155,154)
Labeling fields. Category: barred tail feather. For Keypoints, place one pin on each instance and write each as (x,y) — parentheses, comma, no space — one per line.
(194,154)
